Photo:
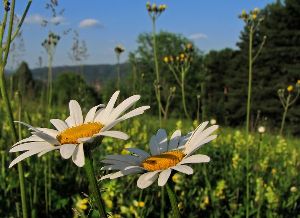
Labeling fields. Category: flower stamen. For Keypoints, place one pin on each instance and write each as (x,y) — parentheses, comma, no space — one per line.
(163,161)
(71,135)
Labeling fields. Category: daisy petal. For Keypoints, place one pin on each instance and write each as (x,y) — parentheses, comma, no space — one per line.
(99,114)
(139,152)
(50,132)
(47,138)
(78,156)
(25,155)
(109,107)
(147,179)
(191,149)
(59,124)
(197,158)
(107,176)
(183,169)
(67,150)
(123,106)
(174,140)
(48,150)
(154,149)
(135,112)
(126,171)
(200,135)
(114,134)
(91,114)
(27,125)
(29,146)
(164,176)
(70,122)
(75,112)
(32,138)
(123,158)
(162,139)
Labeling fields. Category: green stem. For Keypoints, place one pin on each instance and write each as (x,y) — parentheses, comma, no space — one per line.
(8,109)
(284,114)
(118,71)
(156,69)
(248,119)
(49,94)
(162,208)
(89,170)
(173,201)
(203,107)
(183,94)
(4,93)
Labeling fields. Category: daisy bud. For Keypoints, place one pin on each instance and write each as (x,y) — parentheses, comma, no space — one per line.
(261,129)
(293,189)
(154,7)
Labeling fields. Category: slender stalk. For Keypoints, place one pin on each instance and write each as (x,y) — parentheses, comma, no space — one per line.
(203,108)
(156,69)
(20,167)
(46,187)
(162,200)
(4,51)
(118,71)
(248,119)
(183,94)
(49,94)
(89,170)
(284,113)
(173,201)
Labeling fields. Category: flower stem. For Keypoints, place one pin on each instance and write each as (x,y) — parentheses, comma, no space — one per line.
(183,94)
(284,114)
(156,69)
(162,208)
(248,119)
(118,72)
(173,201)
(89,170)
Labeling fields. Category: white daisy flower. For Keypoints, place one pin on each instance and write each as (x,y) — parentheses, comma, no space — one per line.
(165,156)
(71,134)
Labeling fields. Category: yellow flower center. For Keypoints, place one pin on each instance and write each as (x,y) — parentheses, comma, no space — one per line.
(71,135)
(162,161)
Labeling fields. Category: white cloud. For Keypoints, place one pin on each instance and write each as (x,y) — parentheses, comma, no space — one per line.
(89,23)
(40,20)
(197,36)
(35,19)
(58,19)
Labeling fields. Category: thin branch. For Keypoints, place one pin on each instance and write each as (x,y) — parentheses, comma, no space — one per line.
(22,20)
(260,49)
(10,27)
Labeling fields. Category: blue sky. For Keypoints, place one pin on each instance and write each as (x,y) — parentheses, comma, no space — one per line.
(212,24)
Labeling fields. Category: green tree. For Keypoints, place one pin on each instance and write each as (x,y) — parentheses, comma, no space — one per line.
(72,86)
(167,44)
(276,67)
(23,80)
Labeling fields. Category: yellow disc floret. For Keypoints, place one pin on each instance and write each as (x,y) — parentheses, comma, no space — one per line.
(162,161)
(71,135)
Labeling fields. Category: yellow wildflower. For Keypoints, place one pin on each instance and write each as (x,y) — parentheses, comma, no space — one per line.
(166,59)
(290,88)
(81,204)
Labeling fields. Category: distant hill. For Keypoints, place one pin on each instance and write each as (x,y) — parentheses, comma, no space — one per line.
(100,73)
